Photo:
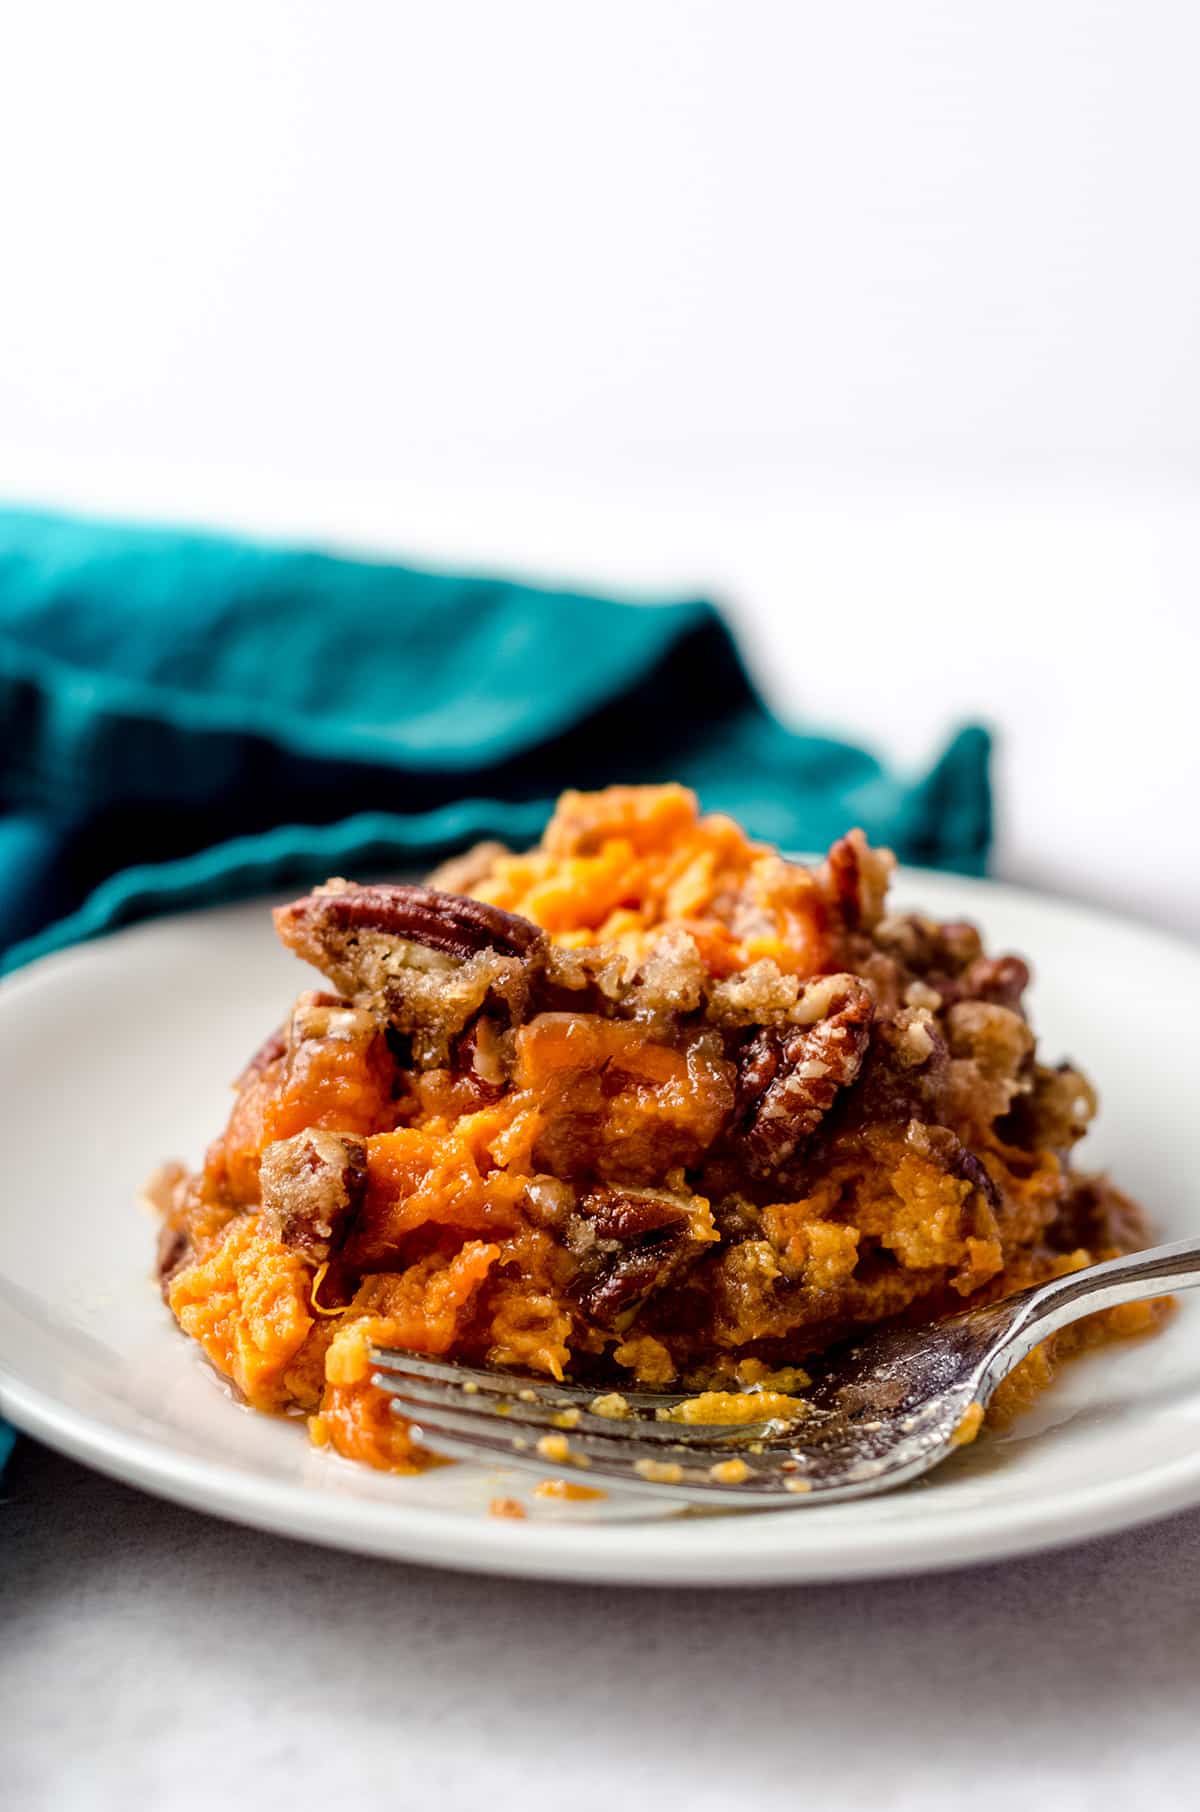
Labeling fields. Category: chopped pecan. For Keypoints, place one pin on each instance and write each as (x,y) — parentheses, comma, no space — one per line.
(173,1252)
(313,1187)
(481,1053)
(956,943)
(1055,1113)
(854,880)
(630,1214)
(629,1243)
(789,1076)
(317,1015)
(1097,1216)
(166,1192)
(998,980)
(914,1037)
(997,1046)
(903,1075)
(926,945)
(950,960)
(943,1147)
(548,1201)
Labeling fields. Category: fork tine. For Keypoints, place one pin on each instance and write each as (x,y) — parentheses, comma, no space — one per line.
(550,1392)
(617,1464)
(568,1448)
(416,1394)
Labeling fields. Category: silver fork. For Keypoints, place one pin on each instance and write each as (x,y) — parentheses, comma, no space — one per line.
(880,1412)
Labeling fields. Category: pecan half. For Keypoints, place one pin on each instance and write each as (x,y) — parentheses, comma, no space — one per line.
(423,961)
(789,1076)
(313,1187)
(324,925)
(629,1243)
(967,1166)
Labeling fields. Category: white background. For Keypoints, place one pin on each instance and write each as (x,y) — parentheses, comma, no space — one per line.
(879,321)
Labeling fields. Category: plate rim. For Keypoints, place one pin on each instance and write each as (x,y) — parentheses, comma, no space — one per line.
(448,1539)
(595,1552)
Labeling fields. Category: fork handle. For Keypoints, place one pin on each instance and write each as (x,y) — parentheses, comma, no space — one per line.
(1132,1278)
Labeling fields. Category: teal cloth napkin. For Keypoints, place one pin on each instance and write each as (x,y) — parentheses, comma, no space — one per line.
(188,718)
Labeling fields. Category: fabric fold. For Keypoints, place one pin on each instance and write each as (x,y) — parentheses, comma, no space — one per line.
(192,717)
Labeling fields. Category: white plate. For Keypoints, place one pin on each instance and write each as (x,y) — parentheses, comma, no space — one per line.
(117,1054)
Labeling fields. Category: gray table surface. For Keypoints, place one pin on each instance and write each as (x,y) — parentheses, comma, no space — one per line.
(151,1656)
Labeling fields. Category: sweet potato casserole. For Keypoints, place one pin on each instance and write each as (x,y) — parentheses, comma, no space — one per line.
(646,1104)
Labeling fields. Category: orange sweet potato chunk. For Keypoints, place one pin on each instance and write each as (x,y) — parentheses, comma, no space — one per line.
(247,1304)
(610,1099)
(424,1309)
(324,1083)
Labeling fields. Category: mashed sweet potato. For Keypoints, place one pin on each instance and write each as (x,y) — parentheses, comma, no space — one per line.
(645,1104)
